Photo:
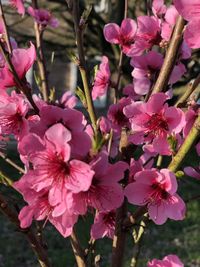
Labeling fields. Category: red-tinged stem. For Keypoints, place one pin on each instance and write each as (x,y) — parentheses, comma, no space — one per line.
(23,87)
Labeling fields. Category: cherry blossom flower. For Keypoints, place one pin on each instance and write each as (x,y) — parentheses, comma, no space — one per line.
(116,115)
(52,168)
(19,5)
(167,261)
(158,7)
(43,17)
(148,35)
(22,60)
(146,69)
(190,10)
(129,91)
(190,117)
(68,100)
(13,110)
(169,22)
(39,209)
(157,190)
(49,115)
(102,79)
(104,225)
(123,35)
(105,193)
(154,121)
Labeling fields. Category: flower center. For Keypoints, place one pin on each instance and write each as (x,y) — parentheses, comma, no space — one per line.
(156,124)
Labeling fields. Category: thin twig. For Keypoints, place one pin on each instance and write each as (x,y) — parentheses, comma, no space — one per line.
(188,92)
(3,20)
(41,58)
(77,249)
(170,58)
(24,88)
(138,243)
(36,246)
(12,163)
(186,146)
(5,180)
(82,63)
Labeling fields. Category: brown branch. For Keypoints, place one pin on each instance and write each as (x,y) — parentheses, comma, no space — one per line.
(188,92)
(41,58)
(170,58)
(24,88)
(7,37)
(36,246)
(12,163)
(77,249)
(119,239)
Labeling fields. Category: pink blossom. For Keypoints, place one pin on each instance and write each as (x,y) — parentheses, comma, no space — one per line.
(158,7)
(169,22)
(104,225)
(105,193)
(13,110)
(116,115)
(154,121)
(123,36)
(129,91)
(22,60)
(190,117)
(68,100)
(148,35)
(52,168)
(157,190)
(102,79)
(39,209)
(104,125)
(190,10)
(43,17)
(167,261)
(146,69)
(19,5)
(49,115)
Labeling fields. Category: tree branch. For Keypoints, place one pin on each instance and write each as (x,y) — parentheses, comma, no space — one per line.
(82,63)
(186,146)
(77,249)
(36,246)
(41,58)
(170,58)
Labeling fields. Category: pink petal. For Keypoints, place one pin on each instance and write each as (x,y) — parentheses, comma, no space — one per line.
(128,29)
(188,9)
(112,33)
(137,193)
(191,34)
(192,172)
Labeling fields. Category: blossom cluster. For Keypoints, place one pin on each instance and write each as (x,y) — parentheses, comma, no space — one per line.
(65,175)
